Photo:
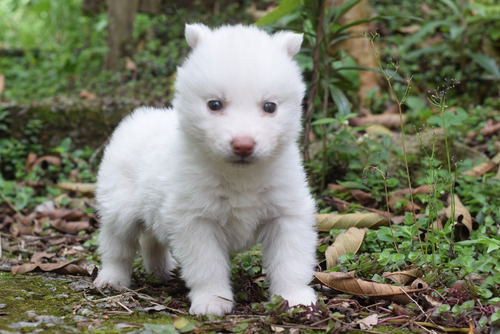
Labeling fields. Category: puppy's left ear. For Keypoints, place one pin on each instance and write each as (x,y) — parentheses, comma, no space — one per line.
(194,33)
(290,41)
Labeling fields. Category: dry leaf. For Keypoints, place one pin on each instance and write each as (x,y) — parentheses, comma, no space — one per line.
(362,197)
(388,120)
(462,217)
(85,94)
(480,169)
(2,83)
(130,65)
(368,322)
(358,194)
(410,29)
(345,243)
(347,283)
(422,190)
(378,129)
(491,129)
(66,214)
(326,222)
(396,201)
(404,277)
(39,256)
(76,267)
(70,227)
(84,188)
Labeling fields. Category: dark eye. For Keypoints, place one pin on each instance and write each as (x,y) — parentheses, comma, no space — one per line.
(215,105)
(269,107)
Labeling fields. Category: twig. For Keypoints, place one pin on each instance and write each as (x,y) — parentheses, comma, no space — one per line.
(125,307)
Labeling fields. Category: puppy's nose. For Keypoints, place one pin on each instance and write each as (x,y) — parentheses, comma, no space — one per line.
(243,146)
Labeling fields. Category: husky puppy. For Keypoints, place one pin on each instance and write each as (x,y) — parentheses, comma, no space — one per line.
(214,175)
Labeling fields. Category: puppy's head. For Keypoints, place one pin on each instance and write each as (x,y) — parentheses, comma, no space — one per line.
(239,92)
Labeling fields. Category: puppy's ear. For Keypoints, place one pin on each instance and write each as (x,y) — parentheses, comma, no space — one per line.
(291,42)
(194,33)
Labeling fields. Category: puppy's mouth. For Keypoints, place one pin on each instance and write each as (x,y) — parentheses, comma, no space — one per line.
(238,161)
(241,162)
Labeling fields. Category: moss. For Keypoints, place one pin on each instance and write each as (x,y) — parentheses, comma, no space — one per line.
(41,295)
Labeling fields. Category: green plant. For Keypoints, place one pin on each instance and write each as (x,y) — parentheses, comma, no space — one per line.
(459,32)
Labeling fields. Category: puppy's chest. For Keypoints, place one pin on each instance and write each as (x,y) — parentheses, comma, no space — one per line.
(239,215)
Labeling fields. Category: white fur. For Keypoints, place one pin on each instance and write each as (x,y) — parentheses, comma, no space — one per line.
(171,182)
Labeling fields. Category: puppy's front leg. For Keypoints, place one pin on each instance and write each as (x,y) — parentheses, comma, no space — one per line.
(199,247)
(288,250)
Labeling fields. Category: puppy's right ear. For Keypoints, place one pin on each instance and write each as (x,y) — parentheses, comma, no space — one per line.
(194,33)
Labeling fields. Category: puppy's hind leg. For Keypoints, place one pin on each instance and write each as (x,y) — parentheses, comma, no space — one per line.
(117,247)
(156,256)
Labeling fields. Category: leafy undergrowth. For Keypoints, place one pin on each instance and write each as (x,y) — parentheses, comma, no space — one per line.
(391,271)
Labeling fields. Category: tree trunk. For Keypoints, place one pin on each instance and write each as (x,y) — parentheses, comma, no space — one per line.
(360,48)
(121,15)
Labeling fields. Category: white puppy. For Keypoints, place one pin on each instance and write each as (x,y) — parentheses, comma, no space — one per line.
(215,175)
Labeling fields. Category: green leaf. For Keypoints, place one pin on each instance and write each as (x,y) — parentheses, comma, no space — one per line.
(452,5)
(486,62)
(327,120)
(340,100)
(451,118)
(284,8)
(495,318)
(468,305)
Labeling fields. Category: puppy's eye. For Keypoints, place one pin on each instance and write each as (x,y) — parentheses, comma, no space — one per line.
(269,107)
(214,105)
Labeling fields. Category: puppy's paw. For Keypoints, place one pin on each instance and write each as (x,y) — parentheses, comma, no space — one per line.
(210,304)
(113,281)
(304,296)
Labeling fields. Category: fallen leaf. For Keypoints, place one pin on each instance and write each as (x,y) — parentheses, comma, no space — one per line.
(75,267)
(63,213)
(378,129)
(491,129)
(400,310)
(39,256)
(480,169)
(358,194)
(156,308)
(30,160)
(326,222)
(85,94)
(395,204)
(70,227)
(84,188)
(410,29)
(387,120)
(422,190)
(368,322)
(347,283)
(462,217)
(345,243)
(47,160)
(403,277)
(2,83)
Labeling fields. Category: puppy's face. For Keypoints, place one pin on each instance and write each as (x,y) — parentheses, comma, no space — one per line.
(239,92)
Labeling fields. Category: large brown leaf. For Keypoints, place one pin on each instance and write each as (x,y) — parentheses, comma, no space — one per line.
(84,188)
(347,283)
(326,222)
(462,217)
(345,243)
(404,277)
(480,169)
(76,267)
